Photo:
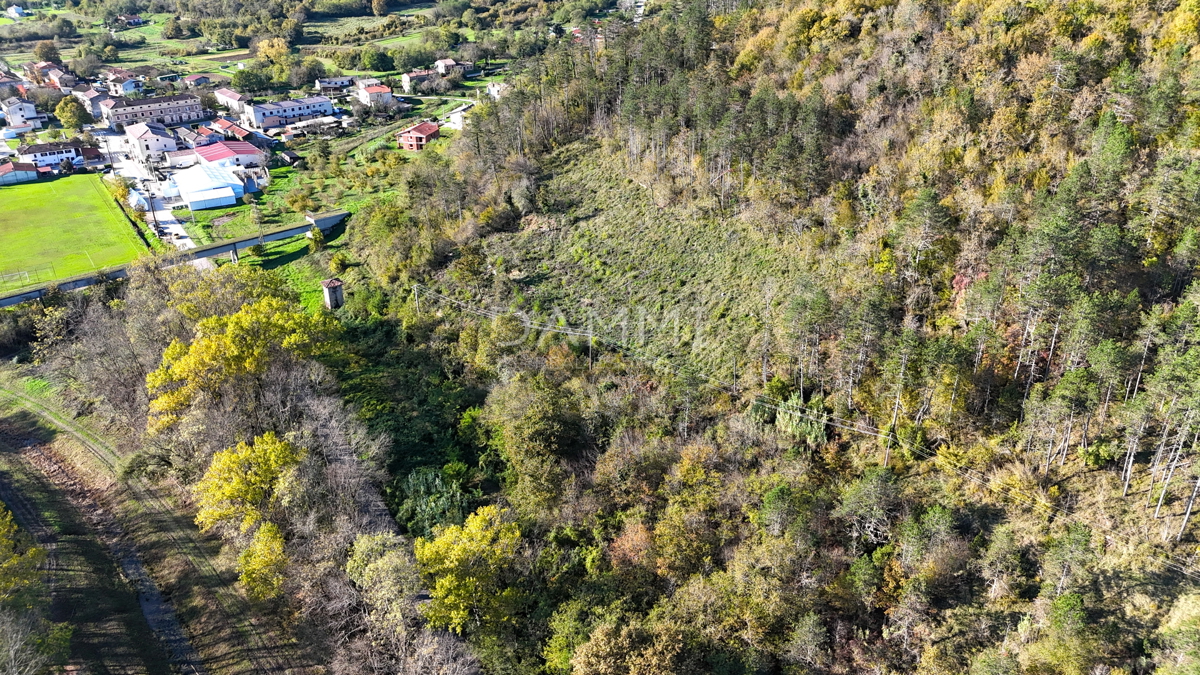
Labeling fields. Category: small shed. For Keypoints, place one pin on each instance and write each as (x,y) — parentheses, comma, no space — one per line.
(333,293)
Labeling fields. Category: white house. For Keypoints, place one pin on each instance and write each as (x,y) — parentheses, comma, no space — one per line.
(150,140)
(123,87)
(333,85)
(14,12)
(270,115)
(457,119)
(376,94)
(20,112)
(50,154)
(233,101)
(497,89)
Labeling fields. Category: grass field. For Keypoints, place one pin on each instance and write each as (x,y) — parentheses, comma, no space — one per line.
(69,225)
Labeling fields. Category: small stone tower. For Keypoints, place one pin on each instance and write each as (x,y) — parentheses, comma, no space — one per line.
(333,293)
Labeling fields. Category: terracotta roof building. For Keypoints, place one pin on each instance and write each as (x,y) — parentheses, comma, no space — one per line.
(417,136)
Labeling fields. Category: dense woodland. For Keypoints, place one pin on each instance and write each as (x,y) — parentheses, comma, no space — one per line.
(812,337)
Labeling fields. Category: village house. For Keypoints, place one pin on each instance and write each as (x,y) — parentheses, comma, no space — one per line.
(131,20)
(149,140)
(333,85)
(231,100)
(15,12)
(176,109)
(230,129)
(120,86)
(417,136)
(271,115)
(497,89)
(51,154)
(197,80)
(20,112)
(409,81)
(17,172)
(447,66)
(457,118)
(60,78)
(91,100)
(39,71)
(194,138)
(376,94)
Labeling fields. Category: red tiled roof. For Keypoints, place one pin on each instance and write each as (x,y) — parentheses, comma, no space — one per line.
(92,153)
(224,149)
(422,129)
(193,78)
(9,167)
(377,89)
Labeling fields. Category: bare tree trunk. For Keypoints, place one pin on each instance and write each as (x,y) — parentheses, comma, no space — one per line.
(1162,496)
(1131,445)
(1187,515)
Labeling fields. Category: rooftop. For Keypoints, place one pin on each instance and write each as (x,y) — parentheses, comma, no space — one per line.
(232,95)
(48,147)
(178,98)
(422,129)
(224,149)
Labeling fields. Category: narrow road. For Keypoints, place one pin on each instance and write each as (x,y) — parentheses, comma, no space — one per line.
(159,612)
(266,656)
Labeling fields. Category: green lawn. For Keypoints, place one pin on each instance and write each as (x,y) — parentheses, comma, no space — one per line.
(62,227)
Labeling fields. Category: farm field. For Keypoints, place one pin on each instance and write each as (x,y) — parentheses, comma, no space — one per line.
(63,227)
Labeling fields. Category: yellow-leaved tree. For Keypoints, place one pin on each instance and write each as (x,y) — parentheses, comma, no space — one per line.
(226,348)
(466,565)
(262,564)
(243,482)
(20,573)
(242,485)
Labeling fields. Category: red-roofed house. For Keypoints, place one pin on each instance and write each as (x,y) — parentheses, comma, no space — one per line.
(196,80)
(231,153)
(231,129)
(17,172)
(376,94)
(417,136)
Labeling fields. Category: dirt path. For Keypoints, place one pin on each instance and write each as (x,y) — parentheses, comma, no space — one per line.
(265,656)
(159,613)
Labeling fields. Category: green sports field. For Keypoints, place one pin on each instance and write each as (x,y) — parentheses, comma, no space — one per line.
(59,228)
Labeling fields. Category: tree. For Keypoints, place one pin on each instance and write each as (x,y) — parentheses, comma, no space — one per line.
(71,113)
(111,54)
(229,348)
(467,565)
(243,483)
(379,7)
(387,574)
(46,50)
(86,66)
(250,79)
(20,576)
(316,243)
(262,564)
(373,58)
(274,50)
